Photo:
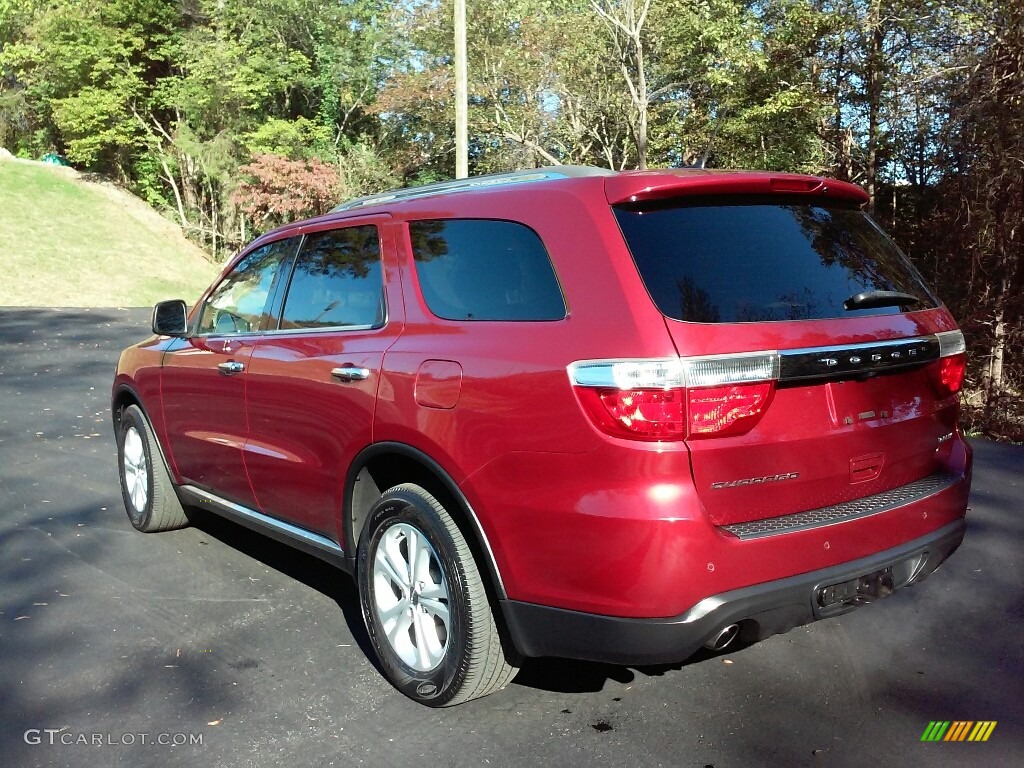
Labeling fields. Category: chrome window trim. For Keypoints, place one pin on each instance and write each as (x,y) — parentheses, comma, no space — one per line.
(292,331)
(240,335)
(325,329)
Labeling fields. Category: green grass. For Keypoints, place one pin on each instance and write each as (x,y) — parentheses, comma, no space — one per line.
(65,242)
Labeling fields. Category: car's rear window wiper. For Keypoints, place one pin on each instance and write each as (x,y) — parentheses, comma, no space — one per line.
(870,299)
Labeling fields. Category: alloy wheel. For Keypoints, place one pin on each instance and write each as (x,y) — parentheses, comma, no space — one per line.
(411,597)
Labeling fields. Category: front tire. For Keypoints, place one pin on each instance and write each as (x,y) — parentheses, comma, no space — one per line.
(424,602)
(149,496)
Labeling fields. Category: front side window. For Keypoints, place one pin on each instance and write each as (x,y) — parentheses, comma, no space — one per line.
(238,303)
(482,269)
(337,281)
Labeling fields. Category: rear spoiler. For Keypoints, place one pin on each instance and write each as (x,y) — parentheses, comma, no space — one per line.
(642,186)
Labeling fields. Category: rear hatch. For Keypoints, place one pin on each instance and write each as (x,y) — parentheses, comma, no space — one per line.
(818,367)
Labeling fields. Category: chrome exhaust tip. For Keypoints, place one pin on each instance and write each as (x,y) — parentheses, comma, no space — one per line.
(724,638)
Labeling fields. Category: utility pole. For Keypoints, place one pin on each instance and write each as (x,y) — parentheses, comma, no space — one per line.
(461,98)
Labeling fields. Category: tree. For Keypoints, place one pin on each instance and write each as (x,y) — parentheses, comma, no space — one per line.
(988,141)
(275,190)
(86,67)
(626,20)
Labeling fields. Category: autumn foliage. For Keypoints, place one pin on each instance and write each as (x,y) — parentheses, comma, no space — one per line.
(275,190)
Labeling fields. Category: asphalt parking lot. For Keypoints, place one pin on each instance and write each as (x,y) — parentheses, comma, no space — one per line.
(112,641)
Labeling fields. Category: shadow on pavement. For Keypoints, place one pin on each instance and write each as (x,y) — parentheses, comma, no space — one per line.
(214,629)
(306,569)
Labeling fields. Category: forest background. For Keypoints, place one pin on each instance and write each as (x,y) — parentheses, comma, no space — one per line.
(234,116)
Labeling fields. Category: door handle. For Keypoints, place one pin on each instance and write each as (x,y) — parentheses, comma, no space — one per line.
(350,373)
(231,367)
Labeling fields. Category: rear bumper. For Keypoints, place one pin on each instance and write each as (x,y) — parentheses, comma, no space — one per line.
(761,610)
(621,531)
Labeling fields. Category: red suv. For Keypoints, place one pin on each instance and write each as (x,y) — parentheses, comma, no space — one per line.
(566,412)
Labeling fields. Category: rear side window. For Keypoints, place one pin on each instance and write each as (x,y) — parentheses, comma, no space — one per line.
(726,262)
(337,281)
(482,269)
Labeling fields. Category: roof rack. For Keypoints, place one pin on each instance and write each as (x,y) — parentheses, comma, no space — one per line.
(474,182)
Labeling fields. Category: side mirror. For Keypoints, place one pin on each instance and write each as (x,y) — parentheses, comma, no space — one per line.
(170,318)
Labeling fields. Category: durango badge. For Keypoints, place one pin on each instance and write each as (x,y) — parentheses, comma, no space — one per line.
(755,480)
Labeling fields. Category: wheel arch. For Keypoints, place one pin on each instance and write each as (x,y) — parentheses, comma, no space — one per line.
(122,397)
(125,395)
(385,465)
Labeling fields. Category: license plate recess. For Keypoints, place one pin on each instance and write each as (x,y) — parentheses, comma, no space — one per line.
(858,591)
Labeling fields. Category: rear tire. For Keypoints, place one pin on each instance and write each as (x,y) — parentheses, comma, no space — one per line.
(149,497)
(424,603)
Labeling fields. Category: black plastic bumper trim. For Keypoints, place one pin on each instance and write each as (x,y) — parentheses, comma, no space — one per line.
(762,610)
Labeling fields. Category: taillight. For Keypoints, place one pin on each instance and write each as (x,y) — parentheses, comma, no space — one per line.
(678,398)
(641,414)
(951,372)
(720,411)
(952,364)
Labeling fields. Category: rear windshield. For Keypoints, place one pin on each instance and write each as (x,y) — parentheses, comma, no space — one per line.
(763,260)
